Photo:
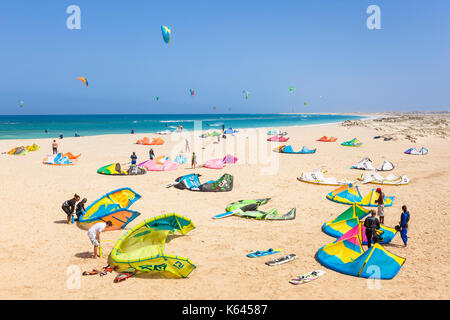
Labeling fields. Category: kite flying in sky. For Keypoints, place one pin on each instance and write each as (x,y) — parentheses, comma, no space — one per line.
(84,80)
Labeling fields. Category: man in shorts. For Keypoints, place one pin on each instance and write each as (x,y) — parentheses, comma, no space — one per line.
(380,202)
(94,235)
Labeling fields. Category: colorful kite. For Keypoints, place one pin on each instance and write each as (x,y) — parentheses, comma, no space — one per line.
(84,80)
(166,32)
(192,92)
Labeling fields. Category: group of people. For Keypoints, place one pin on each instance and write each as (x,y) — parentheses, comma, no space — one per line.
(372,223)
(71,207)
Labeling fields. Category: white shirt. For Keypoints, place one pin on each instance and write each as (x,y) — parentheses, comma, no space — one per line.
(98,227)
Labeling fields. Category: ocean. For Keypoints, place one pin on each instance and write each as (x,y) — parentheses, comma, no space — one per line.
(34,126)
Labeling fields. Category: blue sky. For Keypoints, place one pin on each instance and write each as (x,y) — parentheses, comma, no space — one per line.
(322,48)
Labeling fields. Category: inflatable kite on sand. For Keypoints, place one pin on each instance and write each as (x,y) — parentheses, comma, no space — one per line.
(153,165)
(366,164)
(352,143)
(317,177)
(116,169)
(278,138)
(325,139)
(347,256)
(113,207)
(288,149)
(60,159)
(191,182)
(391,180)
(414,151)
(142,248)
(349,194)
(349,223)
(146,141)
(249,209)
(18,151)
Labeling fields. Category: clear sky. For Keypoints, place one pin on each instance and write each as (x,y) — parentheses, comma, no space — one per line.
(323,48)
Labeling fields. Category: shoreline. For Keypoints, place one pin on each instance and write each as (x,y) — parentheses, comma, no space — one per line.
(188,131)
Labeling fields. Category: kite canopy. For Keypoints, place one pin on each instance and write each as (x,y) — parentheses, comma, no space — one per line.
(142,247)
(317,177)
(146,141)
(249,209)
(191,182)
(192,92)
(278,138)
(116,169)
(60,159)
(18,151)
(214,164)
(376,178)
(325,139)
(84,80)
(180,159)
(348,257)
(166,33)
(288,149)
(414,151)
(34,147)
(352,143)
(349,194)
(345,221)
(349,223)
(113,207)
(229,159)
(230,131)
(152,165)
(385,234)
(366,164)
(276,132)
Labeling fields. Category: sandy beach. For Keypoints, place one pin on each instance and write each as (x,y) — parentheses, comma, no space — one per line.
(40,250)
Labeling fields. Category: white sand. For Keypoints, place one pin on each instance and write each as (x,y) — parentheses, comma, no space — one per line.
(39,247)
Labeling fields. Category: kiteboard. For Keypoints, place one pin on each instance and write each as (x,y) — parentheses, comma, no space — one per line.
(282,260)
(223,215)
(307,277)
(258,254)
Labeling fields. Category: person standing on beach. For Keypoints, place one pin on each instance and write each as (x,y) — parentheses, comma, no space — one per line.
(151,154)
(69,206)
(372,224)
(94,235)
(194,160)
(188,149)
(133,159)
(380,202)
(404,219)
(55,147)
(61,136)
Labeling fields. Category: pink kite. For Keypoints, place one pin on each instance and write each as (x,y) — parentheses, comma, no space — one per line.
(355,232)
(278,138)
(229,159)
(152,165)
(213,164)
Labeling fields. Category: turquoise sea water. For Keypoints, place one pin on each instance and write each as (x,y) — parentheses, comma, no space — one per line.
(32,126)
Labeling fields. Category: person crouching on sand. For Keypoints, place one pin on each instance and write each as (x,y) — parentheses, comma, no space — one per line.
(94,235)
(80,209)
(380,202)
(69,206)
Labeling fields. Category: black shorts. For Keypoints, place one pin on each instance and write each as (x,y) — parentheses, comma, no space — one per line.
(66,210)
